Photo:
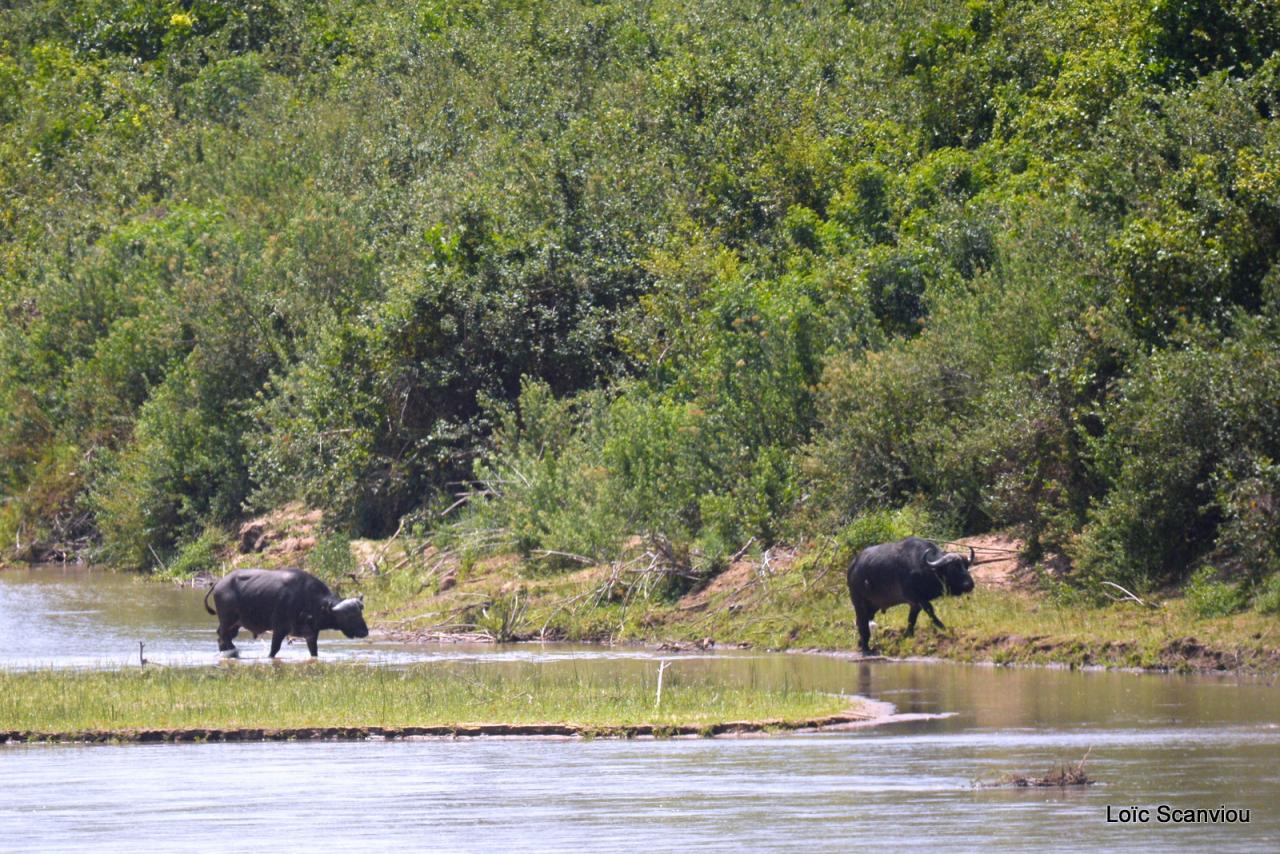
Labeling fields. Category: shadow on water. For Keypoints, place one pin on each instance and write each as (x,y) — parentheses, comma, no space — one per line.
(1185,741)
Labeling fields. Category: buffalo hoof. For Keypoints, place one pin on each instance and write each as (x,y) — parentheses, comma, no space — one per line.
(229,653)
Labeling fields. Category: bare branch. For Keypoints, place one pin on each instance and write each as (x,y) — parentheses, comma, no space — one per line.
(740,552)
(583,559)
(1129,596)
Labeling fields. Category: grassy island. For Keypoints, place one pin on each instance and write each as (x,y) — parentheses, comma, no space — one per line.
(323,700)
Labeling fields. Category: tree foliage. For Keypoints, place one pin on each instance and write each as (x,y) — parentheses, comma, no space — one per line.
(717,272)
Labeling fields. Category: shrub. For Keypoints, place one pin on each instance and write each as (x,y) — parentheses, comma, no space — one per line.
(502,618)
(881,526)
(544,487)
(331,558)
(886,417)
(1266,597)
(183,468)
(1186,420)
(1249,495)
(1208,597)
(223,88)
(203,554)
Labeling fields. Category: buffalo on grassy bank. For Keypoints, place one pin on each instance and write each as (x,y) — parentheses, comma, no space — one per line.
(909,572)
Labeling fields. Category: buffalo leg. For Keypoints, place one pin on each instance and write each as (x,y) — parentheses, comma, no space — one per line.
(311,645)
(864,613)
(911,619)
(227,633)
(928,609)
(277,638)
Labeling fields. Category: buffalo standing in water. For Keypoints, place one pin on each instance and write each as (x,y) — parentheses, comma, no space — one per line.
(911,572)
(283,602)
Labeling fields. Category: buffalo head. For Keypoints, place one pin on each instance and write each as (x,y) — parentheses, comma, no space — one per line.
(953,569)
(348,615)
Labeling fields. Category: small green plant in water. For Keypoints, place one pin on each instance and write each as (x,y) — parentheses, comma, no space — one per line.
(502,619)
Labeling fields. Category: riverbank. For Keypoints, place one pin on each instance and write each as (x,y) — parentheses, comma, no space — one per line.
(797,600)
(344,701)
(780,599)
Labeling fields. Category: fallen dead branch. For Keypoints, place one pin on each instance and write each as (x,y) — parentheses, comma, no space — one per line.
(582,559)
(818,560)
(374,564)
(1128,596)
(737,556)
(458,634)
(437,614)
(573,600)
(978,548)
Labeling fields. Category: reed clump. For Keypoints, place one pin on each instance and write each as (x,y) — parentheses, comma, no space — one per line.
(1066,774)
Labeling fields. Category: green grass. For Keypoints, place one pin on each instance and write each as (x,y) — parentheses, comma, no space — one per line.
(338,695)
(805,605)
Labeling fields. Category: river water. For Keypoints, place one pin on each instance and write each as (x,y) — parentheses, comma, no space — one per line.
(1186,742)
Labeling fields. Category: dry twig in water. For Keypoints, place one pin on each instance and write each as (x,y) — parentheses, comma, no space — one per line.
(1061,776)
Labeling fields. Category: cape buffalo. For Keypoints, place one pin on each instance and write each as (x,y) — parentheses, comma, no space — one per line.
(911,571)
(283,602)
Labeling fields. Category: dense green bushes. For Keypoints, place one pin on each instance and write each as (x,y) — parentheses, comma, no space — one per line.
(1190,440)
(709,274)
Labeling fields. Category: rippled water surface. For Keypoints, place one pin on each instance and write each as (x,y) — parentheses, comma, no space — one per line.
(1188,742)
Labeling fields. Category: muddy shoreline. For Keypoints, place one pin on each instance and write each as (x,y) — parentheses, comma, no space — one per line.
(1180,656)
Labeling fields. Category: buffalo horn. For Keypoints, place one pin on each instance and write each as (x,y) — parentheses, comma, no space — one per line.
(938,562)
(348,605)
(972,554)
